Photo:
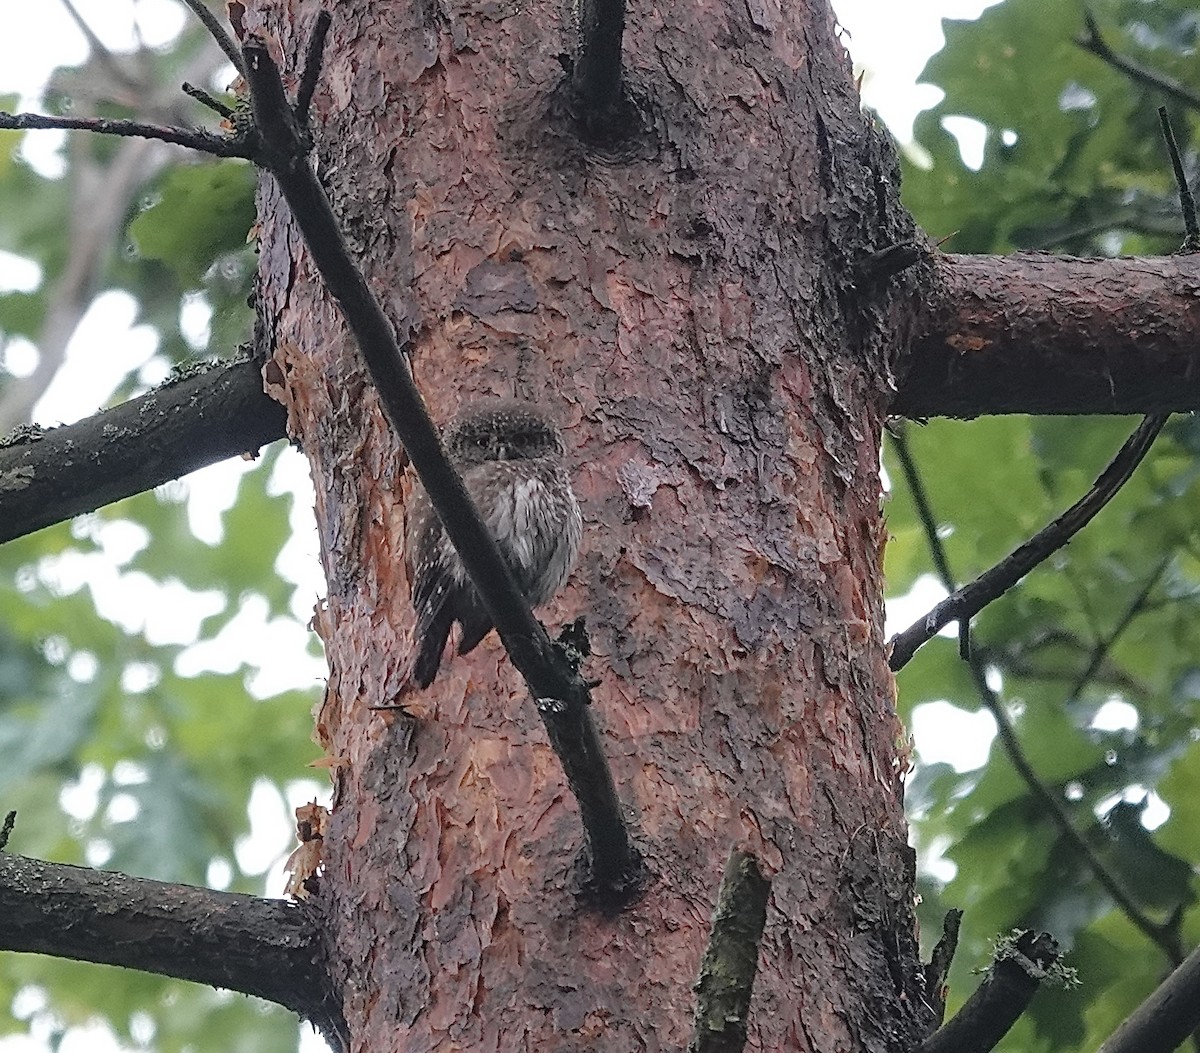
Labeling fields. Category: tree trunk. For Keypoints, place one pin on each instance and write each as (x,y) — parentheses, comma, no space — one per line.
(684,299)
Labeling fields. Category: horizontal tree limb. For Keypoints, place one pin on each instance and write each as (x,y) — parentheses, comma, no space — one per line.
(1035,333)
(264,947)
(1005,334)
(47,476)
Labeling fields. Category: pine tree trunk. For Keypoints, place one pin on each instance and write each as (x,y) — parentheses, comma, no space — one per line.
(685,301)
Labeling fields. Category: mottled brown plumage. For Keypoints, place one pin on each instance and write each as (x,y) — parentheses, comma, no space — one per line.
(510,457)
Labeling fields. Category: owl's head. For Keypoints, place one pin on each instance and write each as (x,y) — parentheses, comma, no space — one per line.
(502,430)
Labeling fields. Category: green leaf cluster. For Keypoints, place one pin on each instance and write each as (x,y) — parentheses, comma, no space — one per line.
(118,746)
(1110,626)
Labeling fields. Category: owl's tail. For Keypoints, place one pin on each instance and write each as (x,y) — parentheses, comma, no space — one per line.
(433,630)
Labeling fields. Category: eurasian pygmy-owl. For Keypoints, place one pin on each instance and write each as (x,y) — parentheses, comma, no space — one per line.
(510,457)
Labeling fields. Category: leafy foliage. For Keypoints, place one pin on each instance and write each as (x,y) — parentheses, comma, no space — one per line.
(114,753)
(1096,651)
(132,736)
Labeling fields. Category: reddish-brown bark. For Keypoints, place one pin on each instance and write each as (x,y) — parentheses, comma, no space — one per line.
(1035,333)
(686,302)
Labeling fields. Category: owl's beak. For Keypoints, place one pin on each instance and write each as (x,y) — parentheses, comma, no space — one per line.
(502,453)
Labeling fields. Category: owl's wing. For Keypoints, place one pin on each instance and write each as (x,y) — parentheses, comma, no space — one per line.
(433,591)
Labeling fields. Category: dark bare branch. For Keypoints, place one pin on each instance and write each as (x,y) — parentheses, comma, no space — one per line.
(264,947)
(937,972)
(1018,970)
(205,99)
(1035,333)
(597,72)
(1165,935)
(217,31)
(553,678)
(193,138)
(1187,202)
(966,602)
(731,958)
(312,66)
(47,476)
(1093,41)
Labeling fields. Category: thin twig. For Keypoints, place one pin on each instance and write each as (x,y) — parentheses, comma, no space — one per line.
(731,958)
(205,99)
(1020,967)
(1165,936)
(562,696)
(1103,646)
(1095,43)
(966,602)
(312,66)
(193,138)
(97,47)
(937,973)
(10,820)
(920,498)
(1187,202)
(217,31)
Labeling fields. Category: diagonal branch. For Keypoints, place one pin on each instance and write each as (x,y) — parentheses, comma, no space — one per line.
(966,602)
(552,676)
(47,476)
(1103,646)
(1020,966)
(1165,1019)
(1091,40)
(1164,935)
(217,31)
(269,948)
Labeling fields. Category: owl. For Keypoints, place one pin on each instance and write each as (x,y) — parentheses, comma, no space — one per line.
(510,457)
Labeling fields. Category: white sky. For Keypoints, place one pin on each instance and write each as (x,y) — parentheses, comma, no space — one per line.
(890,41)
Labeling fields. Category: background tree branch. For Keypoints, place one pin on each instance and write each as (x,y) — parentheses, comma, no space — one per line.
(47,476)
(264,947)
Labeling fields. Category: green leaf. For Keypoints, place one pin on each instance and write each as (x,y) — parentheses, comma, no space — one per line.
(199,213)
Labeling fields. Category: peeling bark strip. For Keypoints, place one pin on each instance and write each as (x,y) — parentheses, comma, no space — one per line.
(264,947)
(1035,333)
(731,958)
(50,475)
